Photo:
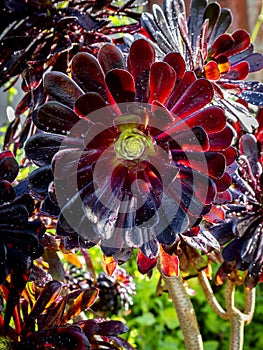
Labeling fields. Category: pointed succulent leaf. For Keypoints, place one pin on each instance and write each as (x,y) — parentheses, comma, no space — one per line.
(83,301)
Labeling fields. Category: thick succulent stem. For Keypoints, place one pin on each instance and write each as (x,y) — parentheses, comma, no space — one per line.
(210,297)
(236,318)
(185,312)
(237,324)
(250,301)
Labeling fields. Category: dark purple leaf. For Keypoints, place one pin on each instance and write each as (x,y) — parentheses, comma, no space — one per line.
(195,22)
(111,328)
(165,38)
(60,87)
(68,337)
(224,21)
(13,238)
(42,147)
(222,44)
(121,85)
(211,119)
(238,72)
(87,72)
(88,103)
(212,12)
(123,343)
(162,80)
(255,61)
(55,117)
(221,140)
(223,183)
(175,60)
(245,226)
(110,57)
(150,249)
(187,79)
(14,213)
(204,187)
(214,165)
(248,147)
(242,56)
(253,97)
(242,42)
(40,179)
(140,59)
(85,20)
(167,236)
(7,193)
(149,24)
(8,168)
(231,250)
(198,94)
(194,139)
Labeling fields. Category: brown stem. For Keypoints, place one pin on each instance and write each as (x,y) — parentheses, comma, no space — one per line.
(237,325)
(236,318)
(250,301)
(185,312)
(210,297)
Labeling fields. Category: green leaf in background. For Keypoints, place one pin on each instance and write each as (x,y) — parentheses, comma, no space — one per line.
(211,345)
(169,343)
(170,318)
(147,319)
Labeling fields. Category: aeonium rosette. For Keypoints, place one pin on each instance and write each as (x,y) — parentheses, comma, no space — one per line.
(129,156)
(210,51)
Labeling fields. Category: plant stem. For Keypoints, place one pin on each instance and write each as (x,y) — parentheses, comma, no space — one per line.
(237,325)
(210,297)
(237,318)
(250,301)
(237,321)
(257,25)
(185,312)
